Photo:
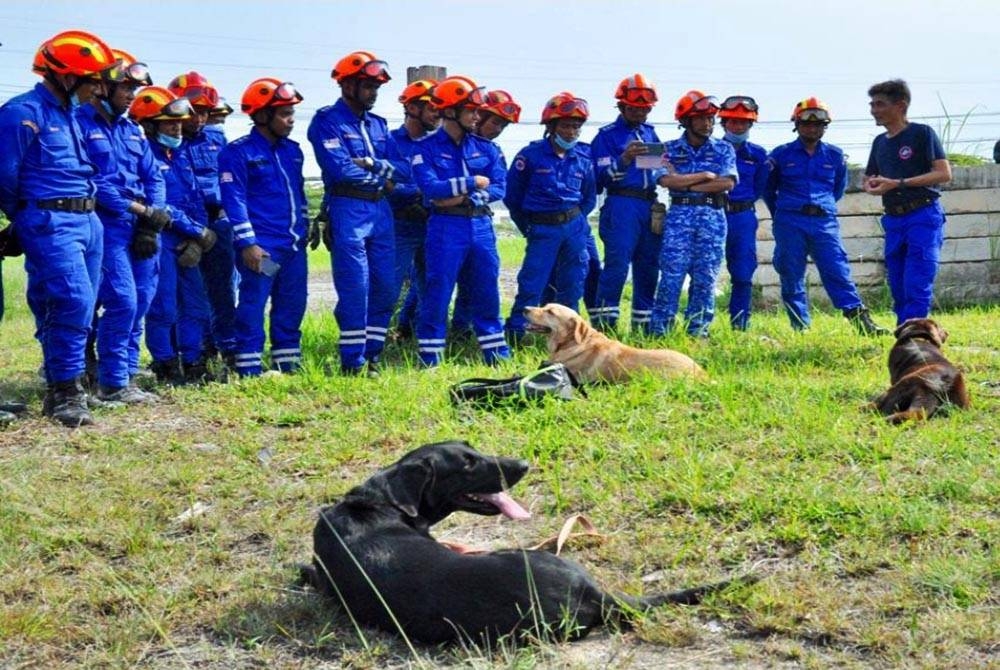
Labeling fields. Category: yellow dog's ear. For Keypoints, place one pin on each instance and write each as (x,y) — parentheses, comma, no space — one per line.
(580,332)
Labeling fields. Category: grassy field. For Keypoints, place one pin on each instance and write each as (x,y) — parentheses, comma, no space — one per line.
(165,536)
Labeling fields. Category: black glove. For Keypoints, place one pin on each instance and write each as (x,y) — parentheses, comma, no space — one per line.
(189,253)
(319,230)
(207,239)
(10,246)
(154,219)
(145,244)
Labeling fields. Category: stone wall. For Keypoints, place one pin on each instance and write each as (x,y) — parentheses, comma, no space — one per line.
(970,257)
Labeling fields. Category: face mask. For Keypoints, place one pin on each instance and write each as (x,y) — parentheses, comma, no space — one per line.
(564,144)
(169,141)
(106,106)
(74,101)
(737,139)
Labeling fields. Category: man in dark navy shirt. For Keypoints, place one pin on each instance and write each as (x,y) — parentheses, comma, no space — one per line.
(906,165)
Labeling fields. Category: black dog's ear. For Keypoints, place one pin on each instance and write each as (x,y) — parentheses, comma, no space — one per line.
(405,485)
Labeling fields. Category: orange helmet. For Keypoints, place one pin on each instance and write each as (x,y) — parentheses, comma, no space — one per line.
(269,92)
(156,103)
(636,91)
(132,70)
(696,103)
(361,64)
(457,91)
(739,107)
(811,109)
(502,104)
(76,52)
(196,88)
(418,91)
(565,105)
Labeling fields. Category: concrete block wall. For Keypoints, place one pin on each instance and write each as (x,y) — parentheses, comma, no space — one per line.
(970,256)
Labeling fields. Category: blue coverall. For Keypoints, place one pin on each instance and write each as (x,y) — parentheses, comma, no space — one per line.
(43,159)
(126,172)
(802,193)
(542,187)
(178,318)
(694,239)
(625,225)
(741,229)
(361,224)
(217,265)
(410,222)
(263,193)
(914,219)
(444,169)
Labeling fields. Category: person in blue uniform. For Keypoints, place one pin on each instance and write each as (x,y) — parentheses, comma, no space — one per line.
(701,170)
(203,143)
(178,317)
(408,211)
(130,196)
(737,115)
(47,193)
(263,193)
(906,166)
(351,146)
(626,216)
(807,178)
(551,190)
(499,110)
(460,174)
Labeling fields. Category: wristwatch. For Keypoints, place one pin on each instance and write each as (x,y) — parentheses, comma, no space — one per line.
(902,182)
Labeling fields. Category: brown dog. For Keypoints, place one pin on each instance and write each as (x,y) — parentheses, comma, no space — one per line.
(591,356)
(922,378)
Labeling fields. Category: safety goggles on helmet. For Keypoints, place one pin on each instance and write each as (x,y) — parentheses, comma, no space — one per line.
(285,94)
(202,96)
(474,100)
(813,115)
(374,69)
(640,97)
(568,106)
(707,105)
(737,101)
(505,109)
(176,109)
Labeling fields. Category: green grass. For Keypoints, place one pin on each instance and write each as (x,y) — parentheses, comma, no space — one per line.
(879,544)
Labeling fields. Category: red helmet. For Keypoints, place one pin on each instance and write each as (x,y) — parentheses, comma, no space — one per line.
(155,103)
(739,107)
(811,109)
(565,105)
(132,71)
(361,64)
(76,52)
(636,91)
(269,92)
(696,103)
(457,91)
(418,91)
(196,88)
(502,104)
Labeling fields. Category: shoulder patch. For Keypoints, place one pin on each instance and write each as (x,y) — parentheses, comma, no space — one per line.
(519,163)
(31,124)
(332,143)
(418,159)
(603,161)
(226,177)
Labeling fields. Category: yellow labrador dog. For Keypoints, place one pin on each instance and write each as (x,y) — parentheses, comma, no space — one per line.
(591,356)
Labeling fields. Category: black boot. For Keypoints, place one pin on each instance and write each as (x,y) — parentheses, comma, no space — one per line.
(862,320)
(196,373)
(69,404)
(168,372)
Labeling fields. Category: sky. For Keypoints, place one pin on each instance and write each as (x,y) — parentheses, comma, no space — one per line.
(778,51)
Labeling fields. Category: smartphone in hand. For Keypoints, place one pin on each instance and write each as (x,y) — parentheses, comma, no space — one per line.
(268,267)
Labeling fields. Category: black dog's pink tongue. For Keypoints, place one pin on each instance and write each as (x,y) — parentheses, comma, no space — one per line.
(507,505)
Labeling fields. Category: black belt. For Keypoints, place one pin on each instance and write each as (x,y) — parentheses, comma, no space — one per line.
(415,213)
(465,210)
(75,205)
(813,210)
(552,218)
(908,206)
(739,206)
(633,193)
(360,194)
(715,200)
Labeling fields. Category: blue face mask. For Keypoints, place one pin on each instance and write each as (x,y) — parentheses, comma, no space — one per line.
(737,139)
(169,141)
(74,101)
(106,106)
(564,144)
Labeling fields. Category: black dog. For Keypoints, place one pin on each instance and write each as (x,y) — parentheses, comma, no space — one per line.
(373,552)
(922,378)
